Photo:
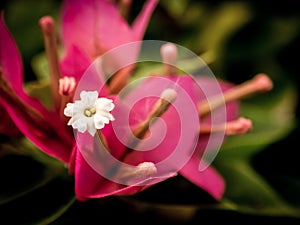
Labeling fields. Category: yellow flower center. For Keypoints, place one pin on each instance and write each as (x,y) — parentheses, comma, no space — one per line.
(89,112)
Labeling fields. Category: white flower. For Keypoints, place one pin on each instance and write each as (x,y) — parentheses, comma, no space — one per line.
(90,112)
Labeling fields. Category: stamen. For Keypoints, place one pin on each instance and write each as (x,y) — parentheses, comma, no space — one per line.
(235,127)
(66,90)
(167,97)
(93,111)
(161,106)
(67,86)
(89,112)
(169,57)
(47,26)
(124,8)
(260,83)
(239,126)
(130,174)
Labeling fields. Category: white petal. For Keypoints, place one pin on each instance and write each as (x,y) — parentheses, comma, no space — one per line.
(99,124)
(100,121)
(68,111)
(89,98)
(110,106)
(104,104)
(83,95)
(111,117)
(91,129)
(80,125)
(73,119)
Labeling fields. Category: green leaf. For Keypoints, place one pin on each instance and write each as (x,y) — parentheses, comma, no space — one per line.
(266,39)
(223,21)
(21,175)
(247,192)
(41,91)
(35,188)
(39,64)
(58,210)
(175,8)
(24,169)
(41,206)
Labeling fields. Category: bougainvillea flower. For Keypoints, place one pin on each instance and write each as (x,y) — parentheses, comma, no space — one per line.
(137,152)
(128,171)
(90,160)
(46,128)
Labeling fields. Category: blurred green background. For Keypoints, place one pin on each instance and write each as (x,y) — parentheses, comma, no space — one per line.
(238,39)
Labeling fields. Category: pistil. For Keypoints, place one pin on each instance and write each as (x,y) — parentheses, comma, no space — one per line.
(47,26)
(260,83)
